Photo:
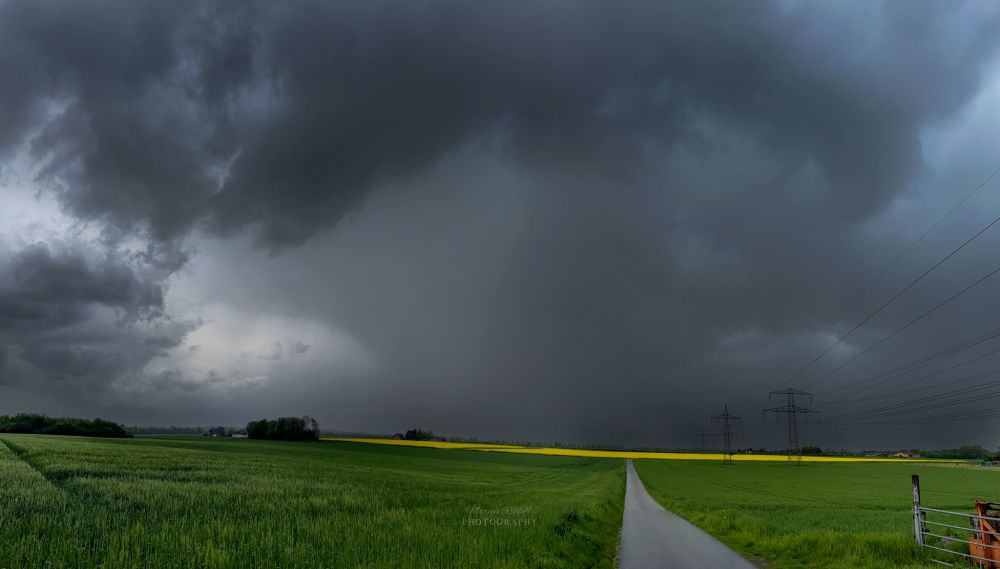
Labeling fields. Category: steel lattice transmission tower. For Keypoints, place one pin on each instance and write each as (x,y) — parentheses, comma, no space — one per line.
(707,441)
(728,423)
(791,411)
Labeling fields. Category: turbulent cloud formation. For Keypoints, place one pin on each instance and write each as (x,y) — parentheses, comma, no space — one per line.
(70,313)
(282,117)
(587,221)
(47,290)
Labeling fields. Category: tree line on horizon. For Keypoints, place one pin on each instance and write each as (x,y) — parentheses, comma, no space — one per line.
(34,423)
(284,429)
(307,429)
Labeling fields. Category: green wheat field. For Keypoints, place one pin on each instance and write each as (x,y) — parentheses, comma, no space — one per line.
(179,502)
(196,502)
(817,515)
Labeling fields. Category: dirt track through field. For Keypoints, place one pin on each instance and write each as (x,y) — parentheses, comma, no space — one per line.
(655,538)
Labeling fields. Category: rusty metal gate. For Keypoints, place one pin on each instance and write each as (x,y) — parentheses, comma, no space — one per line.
(946,529)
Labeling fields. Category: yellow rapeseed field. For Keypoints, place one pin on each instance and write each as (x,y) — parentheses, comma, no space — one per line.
(425,444)
(622,454)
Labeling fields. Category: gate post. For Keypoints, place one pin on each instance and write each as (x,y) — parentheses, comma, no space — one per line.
(918,526)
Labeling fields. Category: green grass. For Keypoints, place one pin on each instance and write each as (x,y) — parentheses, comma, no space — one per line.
(181,502)
(817,515)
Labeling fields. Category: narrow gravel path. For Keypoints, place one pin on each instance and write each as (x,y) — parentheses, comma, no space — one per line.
(655,538)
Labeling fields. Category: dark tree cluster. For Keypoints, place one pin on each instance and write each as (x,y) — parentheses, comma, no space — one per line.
(419,435)
(45,425)
(964,453)
(284,429)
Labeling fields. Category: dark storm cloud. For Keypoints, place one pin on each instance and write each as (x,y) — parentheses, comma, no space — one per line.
(281,117)
(42,290)
(691,183)
(50,302)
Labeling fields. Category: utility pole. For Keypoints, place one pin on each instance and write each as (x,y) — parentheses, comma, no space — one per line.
(708,441)
(728,422)
(791,410)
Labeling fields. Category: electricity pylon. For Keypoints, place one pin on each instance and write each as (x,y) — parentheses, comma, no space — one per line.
(708,441)
(791,411)
(728,422)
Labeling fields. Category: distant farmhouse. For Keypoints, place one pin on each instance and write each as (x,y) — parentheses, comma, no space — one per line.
(226,432)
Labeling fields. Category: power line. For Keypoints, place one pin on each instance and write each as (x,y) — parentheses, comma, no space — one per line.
(924,361)
(908,324)
(914,365)
(943,384)
(910,247)
(939,397)
(913,283)
(952,403)
(841,401)
(901,353)
(928,419)
(960,417)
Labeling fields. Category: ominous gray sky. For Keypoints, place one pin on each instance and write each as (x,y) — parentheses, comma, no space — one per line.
(575,221)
